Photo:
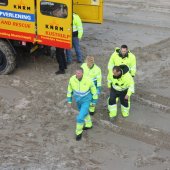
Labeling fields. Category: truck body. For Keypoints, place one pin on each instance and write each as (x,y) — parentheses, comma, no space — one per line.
(31,23)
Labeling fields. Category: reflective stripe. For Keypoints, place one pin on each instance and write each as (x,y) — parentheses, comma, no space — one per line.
(81,93)
(88,121)
(112,107)
(125,111)
(94,79)
(118,88)
(69,92)
(79,29)
(110,66)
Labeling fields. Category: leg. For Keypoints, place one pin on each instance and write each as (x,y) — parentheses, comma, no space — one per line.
(76,45)
(125,104)
(88,123)
(92,109)
(83,112)
(112,106)
(59,57)
(69,56)
(64,60)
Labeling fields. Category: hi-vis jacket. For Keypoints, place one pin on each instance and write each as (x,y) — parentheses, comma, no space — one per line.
(117,60)
(82,90)
(125,82)
(77,26)
(94,73)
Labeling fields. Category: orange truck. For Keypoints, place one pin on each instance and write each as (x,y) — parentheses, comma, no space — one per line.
(34,23)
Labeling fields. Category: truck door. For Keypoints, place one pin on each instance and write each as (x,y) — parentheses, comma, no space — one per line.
(89,10)
(17,20)
(54,23)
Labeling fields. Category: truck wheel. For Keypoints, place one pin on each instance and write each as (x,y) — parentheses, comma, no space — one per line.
(7,58)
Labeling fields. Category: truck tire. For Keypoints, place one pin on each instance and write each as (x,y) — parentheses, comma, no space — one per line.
(7,58)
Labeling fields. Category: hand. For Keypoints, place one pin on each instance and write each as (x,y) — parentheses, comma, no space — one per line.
(69,105)
(126,97)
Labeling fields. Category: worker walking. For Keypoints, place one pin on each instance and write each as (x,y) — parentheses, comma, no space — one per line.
(122,56)
(120,84)
(94,72)
(77,35)
(84,92)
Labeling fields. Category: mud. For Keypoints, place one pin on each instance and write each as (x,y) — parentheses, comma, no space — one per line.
(37,128)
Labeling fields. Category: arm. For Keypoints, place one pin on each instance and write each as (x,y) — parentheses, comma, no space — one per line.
(69,93)
(99,81)
(109,81)
(131,88)
(133,65)
(79,27)
(111,63)
(94,93)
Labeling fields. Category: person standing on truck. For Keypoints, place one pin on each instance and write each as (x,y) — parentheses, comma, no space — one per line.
(84,92)
(123,56)
(77,35)
(121,85)
(94,72)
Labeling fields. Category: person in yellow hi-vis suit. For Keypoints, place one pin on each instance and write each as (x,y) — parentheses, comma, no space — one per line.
(122,56)
(121,84)
(94,72)
(77,36)
(84,92)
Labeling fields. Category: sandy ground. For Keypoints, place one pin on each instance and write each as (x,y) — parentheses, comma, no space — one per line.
(37,129)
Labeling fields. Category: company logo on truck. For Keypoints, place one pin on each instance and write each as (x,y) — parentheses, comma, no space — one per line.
(54,27)
(17,15)
(22,7)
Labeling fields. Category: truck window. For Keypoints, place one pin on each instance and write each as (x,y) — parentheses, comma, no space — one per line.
(54,9)
(3,2)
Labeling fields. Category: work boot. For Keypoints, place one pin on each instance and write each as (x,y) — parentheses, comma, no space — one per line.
(78,137)
(86,128)
(60,72)
(91,113)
